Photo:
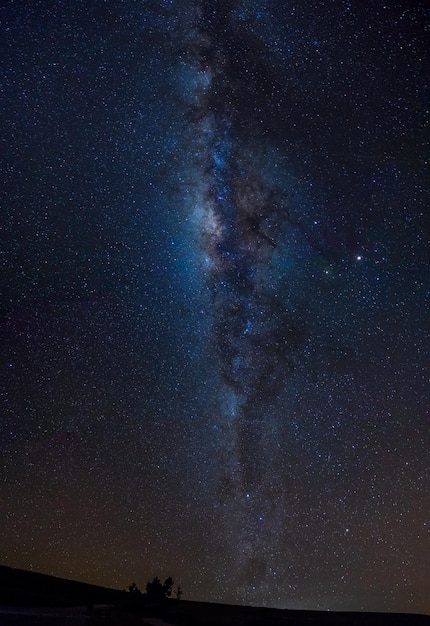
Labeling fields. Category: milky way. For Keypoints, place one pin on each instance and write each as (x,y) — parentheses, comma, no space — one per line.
(214,315)
(244,214)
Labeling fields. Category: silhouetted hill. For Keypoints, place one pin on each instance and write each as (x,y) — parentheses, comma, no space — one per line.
(22,588)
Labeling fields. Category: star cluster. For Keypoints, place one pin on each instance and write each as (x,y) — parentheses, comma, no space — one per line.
(214,320)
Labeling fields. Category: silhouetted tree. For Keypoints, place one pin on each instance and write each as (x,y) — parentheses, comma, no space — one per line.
(157,590)
(168,586)
(133,588)
(178,592)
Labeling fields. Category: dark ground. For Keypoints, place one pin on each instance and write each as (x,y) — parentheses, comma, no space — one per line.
(198,614)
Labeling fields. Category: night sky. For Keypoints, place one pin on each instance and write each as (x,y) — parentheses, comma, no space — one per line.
(214,320)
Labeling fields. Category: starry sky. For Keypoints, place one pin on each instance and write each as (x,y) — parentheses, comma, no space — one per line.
(214,319)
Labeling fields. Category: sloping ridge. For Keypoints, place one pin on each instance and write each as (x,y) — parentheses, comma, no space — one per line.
(208,614)
(24,588)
